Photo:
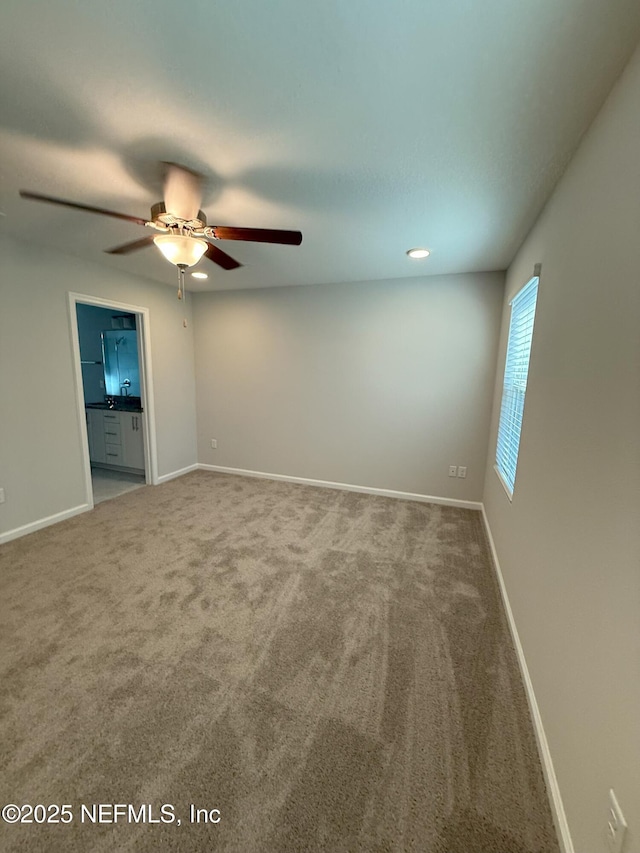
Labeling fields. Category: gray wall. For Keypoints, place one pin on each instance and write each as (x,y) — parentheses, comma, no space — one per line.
(381,384)
(40,443)
(569,544)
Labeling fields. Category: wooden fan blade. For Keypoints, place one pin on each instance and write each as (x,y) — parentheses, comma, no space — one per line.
(51,200)
(125,248)
(221,258)
(258,235)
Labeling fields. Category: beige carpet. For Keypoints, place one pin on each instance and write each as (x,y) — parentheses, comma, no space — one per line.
(332,671)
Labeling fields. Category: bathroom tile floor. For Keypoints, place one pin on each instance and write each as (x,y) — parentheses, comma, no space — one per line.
(110,484)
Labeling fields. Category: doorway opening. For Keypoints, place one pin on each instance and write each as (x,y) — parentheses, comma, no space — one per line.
(114,396)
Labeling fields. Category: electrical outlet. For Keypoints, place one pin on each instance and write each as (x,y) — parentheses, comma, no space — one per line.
(1,496)
(616,825)
(214,443)
(462,471)
(453,471)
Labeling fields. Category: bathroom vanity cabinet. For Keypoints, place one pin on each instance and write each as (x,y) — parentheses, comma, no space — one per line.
(116,438)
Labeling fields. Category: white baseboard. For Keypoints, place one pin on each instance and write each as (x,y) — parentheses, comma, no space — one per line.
(555,798)
(346,487)
(43,522)
(179,473)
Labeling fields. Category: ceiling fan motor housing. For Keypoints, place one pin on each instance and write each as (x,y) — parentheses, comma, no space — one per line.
(163,220)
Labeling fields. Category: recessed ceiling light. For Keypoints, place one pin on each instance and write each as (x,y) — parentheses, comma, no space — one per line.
(199,275)
(418,253)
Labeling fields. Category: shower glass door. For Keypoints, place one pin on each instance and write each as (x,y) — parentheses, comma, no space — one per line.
(120,360)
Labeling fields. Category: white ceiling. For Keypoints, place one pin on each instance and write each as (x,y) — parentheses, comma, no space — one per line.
(370,126)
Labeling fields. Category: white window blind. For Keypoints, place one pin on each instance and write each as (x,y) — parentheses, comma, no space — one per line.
(523,309)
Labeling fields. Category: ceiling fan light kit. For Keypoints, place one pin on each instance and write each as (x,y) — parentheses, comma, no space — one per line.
(180,249)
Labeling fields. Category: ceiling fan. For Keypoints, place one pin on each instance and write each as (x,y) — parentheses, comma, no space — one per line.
(184,233)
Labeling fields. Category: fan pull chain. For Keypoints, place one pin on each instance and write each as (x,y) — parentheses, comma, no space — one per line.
(181,285)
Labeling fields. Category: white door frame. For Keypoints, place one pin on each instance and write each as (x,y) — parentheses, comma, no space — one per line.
(146,385)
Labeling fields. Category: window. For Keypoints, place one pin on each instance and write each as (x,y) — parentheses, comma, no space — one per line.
(523,309)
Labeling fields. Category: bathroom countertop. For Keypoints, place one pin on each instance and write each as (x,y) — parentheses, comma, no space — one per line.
(116,407)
